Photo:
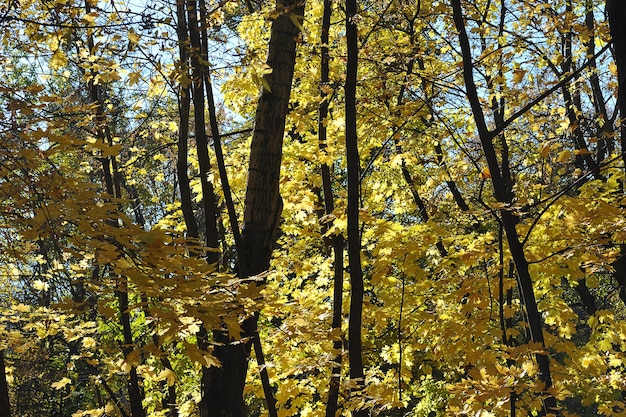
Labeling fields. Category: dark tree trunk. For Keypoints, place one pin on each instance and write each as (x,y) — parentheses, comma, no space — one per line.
(336,241)
(184,106)
(5,405)
(354,236)
(209,204)
(263,207)
(616,11)
(263,204)
(620,274)
(500,178)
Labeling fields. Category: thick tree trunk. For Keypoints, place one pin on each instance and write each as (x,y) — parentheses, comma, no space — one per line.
(263,204)
(263,207)
(5,405)
(616,11)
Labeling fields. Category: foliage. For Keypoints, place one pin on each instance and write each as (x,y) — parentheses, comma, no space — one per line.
(445,328)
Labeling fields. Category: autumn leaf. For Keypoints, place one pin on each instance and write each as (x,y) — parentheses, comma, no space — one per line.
(518,75)
(62,383)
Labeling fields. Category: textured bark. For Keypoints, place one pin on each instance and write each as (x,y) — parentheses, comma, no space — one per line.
(502,186)
(5,405)
(263,206)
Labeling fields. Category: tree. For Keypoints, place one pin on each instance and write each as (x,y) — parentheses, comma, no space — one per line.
(430,198)
(5,405)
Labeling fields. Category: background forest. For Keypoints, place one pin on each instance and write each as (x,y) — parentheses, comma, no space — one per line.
(254,208)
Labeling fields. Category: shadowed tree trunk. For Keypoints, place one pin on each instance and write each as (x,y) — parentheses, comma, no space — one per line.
(5,406)
(616,11)
(113,189)
(502,185)
(355,357)
(263,207)
(336,240)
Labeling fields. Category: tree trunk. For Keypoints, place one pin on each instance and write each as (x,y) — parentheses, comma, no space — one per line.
(336,240)
(113,189)
(5,405)
(501,182)
(354,234)
(617,23)
(263,207)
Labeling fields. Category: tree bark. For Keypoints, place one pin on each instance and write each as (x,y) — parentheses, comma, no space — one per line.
(263,207)
(5,405)
(209,204)
(500,179)
(337,240)
(263,204)
(354,234)
(184,106)
(617,24)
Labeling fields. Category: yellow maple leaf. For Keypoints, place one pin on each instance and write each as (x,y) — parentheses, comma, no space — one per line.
(58,59)
(61,383)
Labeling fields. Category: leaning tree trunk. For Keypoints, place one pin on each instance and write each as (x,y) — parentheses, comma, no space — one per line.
(263,205)
(503,186)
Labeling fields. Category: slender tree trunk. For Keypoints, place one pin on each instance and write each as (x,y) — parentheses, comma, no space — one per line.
(355,354)
(263,206)
(503,194)
(336,241)
(184,106)
(215,135)
(5,405)
(209,204)
(113,189)
(573,106)
(605,123)
(169,400)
